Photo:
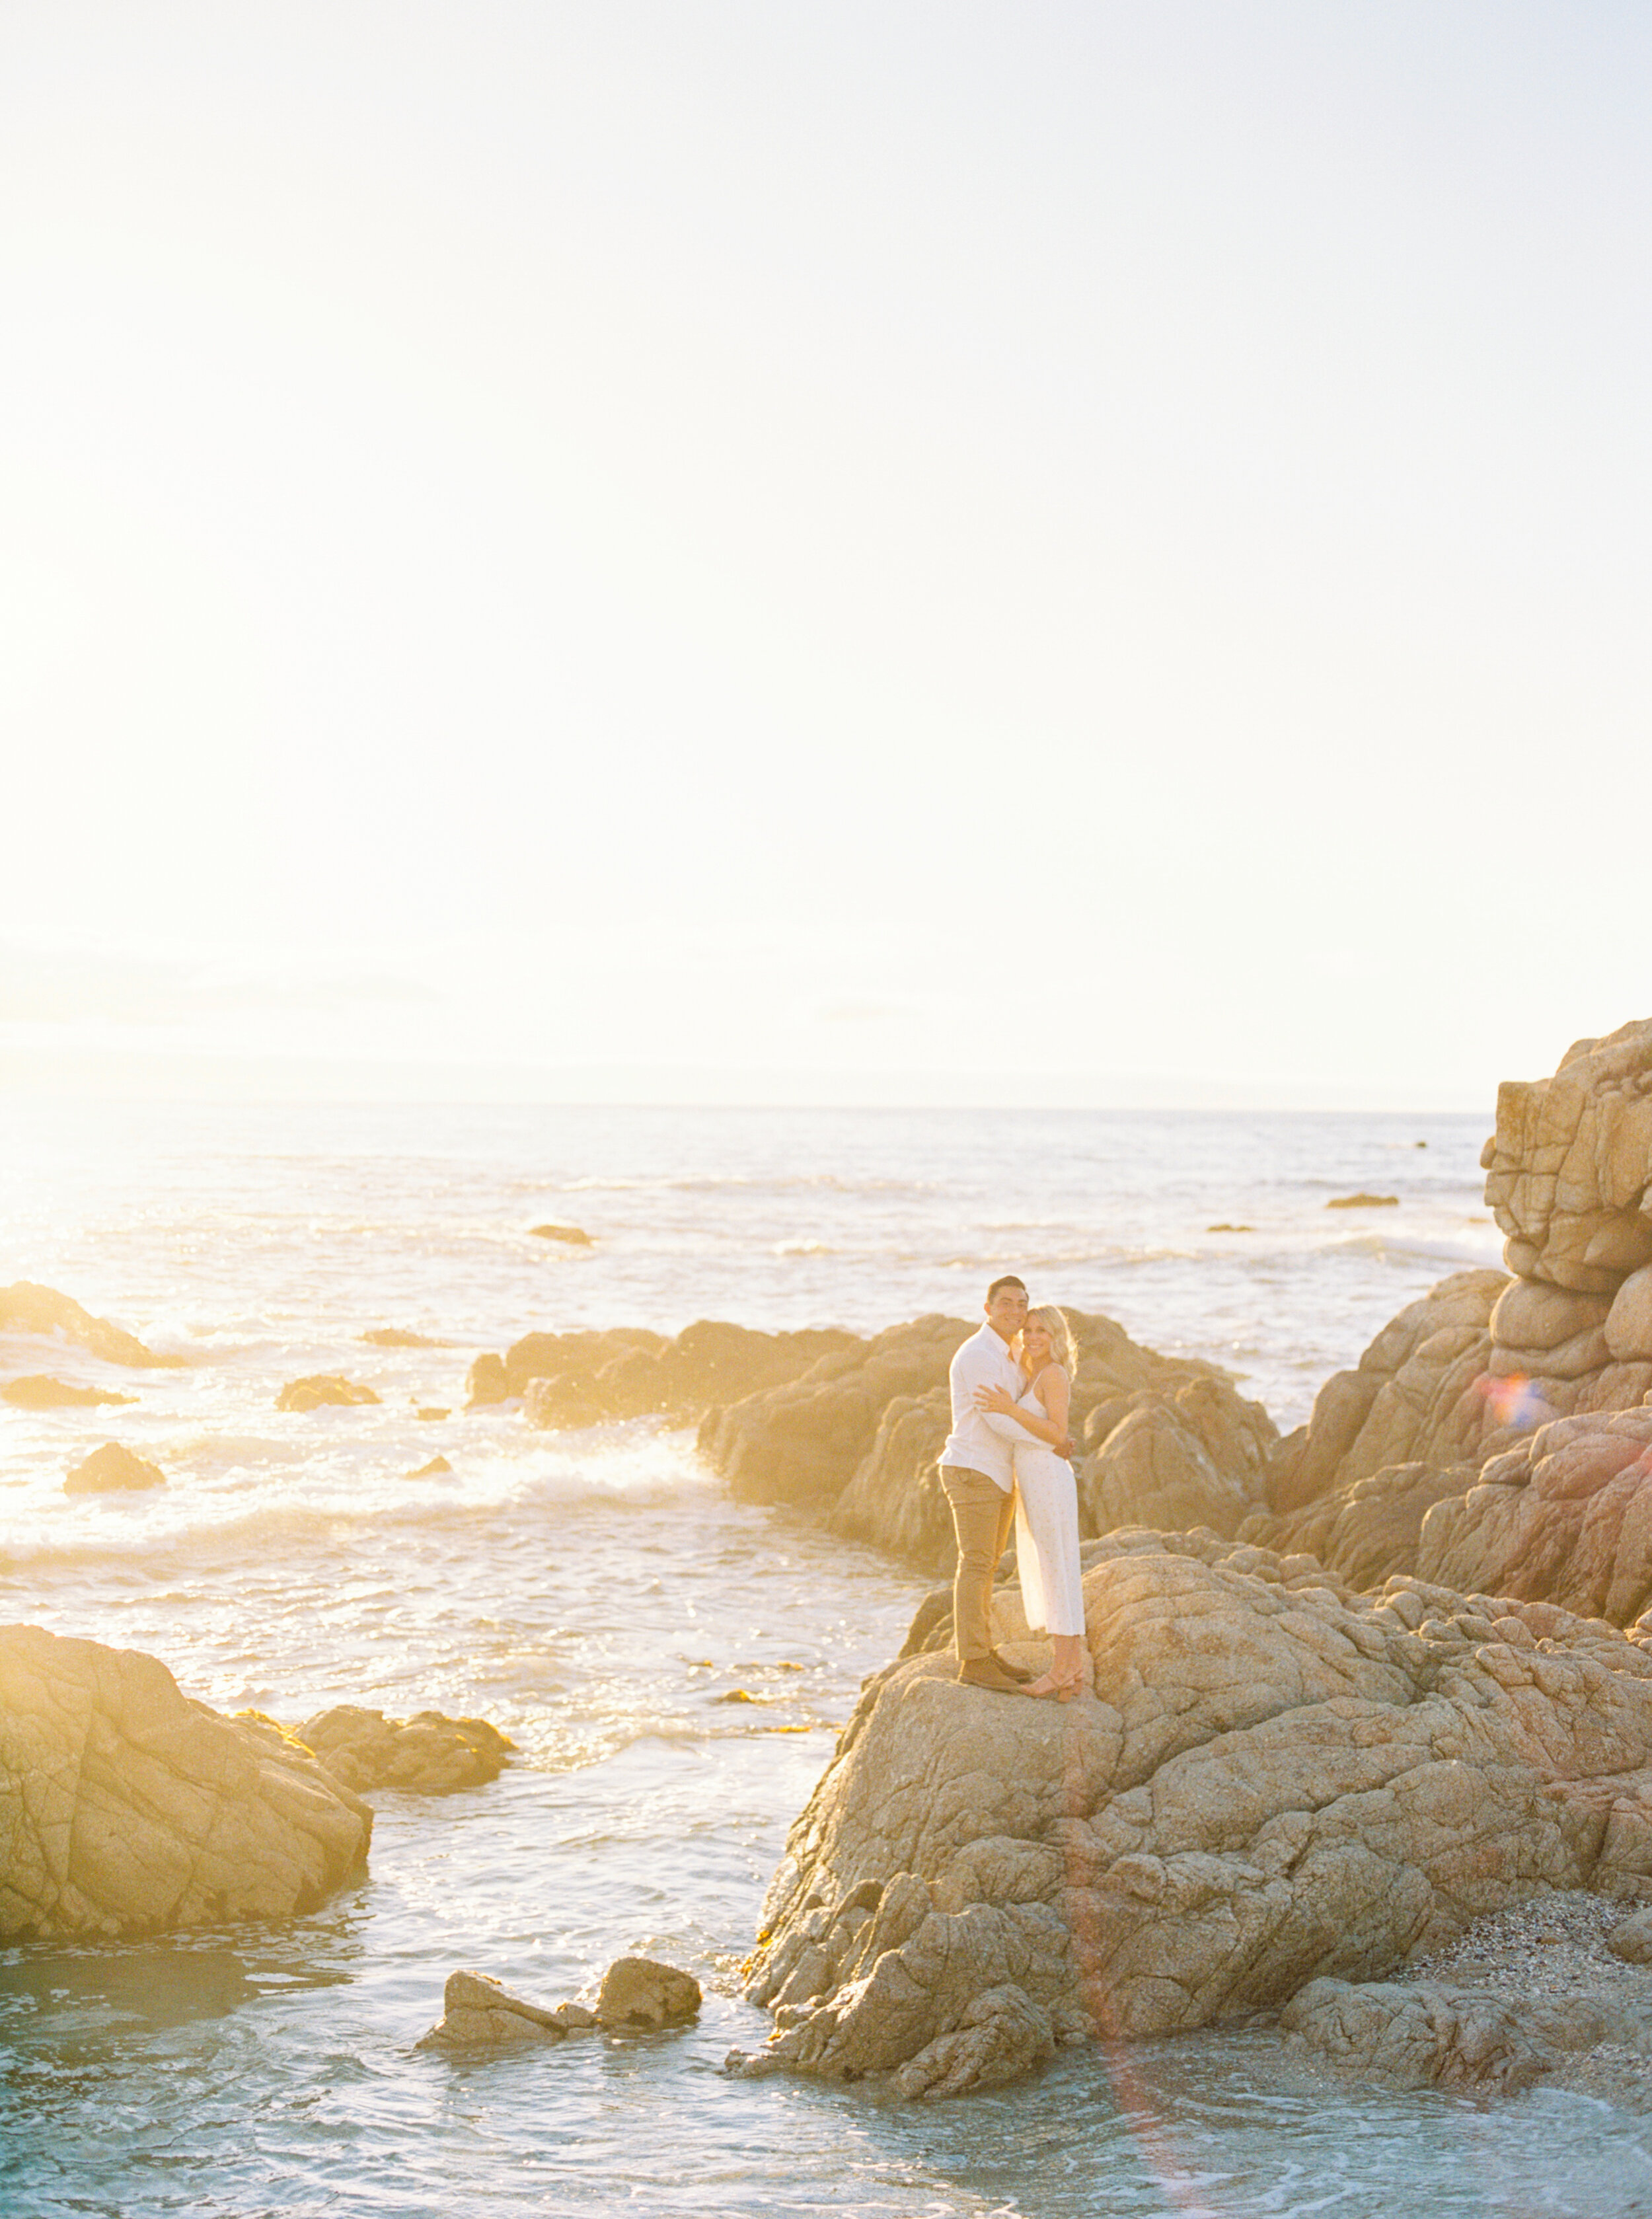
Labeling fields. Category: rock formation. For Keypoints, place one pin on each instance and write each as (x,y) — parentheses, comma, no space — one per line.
(36,1390)
(424,1755)
(112,1470)
(322,1387)
(26,1308)
(639,1996)
(574,1236)
(1163,1441)
(126,1809)
(1276,1779)
(569,1379)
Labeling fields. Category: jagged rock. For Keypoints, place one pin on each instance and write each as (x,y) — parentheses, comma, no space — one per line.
(437,1468)
(126,1809)
(424,1755)
(1570,1166)
(1277,1780)
(479,2013)
(573,1236)
(1368,1529)
(111,1469)
(36,1391)
(1566,1518)
(1416,1397)
(639,1995)
(1435,2033)
(26,1308)
(1000,2036)
(320,1388)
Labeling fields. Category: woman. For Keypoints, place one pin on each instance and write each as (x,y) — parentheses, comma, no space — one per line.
(1046,1494)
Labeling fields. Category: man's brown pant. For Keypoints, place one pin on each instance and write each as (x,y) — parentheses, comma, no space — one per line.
(983,1512)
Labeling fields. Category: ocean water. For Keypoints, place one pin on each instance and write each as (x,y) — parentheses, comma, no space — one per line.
(597,1596)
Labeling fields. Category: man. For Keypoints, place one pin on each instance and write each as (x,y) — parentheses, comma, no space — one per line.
(978,1471)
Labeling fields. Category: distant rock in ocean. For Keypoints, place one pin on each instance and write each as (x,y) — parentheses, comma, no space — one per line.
(581,1378)
(392,1336)
(36,1390)
(322,1388)
(1364,1201)
(26,1308)
(573,1236)
(126,1809)
(637,1996)
(112,1468)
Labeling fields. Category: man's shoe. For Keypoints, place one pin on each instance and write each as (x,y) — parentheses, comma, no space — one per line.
(984,1672)
(1016,1671)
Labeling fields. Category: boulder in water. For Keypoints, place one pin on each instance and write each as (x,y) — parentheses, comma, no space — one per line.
(111,1469)
(479,2013)
(320,1388)
(638,1995)
(1364,1201)
(26,1308)
(35,1390)
(573,1236)
(125,1809)
(424,1755)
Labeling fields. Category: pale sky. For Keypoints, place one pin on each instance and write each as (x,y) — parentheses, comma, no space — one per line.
(671,548)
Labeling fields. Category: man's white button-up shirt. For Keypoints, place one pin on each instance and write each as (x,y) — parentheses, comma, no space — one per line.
(983,1361)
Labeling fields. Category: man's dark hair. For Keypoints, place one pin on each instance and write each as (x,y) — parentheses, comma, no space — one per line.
(1008,1280)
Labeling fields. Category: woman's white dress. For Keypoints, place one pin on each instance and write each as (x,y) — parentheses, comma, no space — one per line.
(1047,1528)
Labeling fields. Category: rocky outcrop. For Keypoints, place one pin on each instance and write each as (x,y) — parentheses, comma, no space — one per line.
(26,1308)
(1164,1440)
(1442,2036)
(424,1755)
(113,1469)
(479,2013)
(320,1389)
(1275,1780)
(36,1390)
(126,1809)
(569,1379)
(1465,1374)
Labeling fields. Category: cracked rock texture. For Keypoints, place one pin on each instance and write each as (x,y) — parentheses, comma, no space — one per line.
(126,1808)
(1274,1780)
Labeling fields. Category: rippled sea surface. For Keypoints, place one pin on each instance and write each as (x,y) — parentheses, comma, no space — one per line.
(597,1596)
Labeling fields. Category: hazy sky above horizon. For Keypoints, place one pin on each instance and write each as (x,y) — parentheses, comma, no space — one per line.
(860,550)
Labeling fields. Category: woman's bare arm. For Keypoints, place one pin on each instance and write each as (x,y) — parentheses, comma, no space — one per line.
(1055,1391)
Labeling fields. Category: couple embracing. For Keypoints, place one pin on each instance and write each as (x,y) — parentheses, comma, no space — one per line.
(1006,1457)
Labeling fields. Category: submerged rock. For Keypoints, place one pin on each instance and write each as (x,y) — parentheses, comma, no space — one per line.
(1275,1781)
(1440,2034)
(319,1387)
(424,1755)
(1364,1201)
(109,1469)
(394,1336)
(37,1391)
(125,1809)
(574,1236)
(26,1308)
(437,1468)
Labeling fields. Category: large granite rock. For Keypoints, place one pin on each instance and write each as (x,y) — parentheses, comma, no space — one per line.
(1570,1164)
(1275,1780)
(26,1308)
(424,1755)
(125,1809)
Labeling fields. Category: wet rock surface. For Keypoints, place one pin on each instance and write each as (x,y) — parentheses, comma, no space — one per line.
(320,1389)
(1275,1780)
(113,1469)
(639,1995)
(128,1809)
(26,1308)
(424,1755)
(479,2013)
(37,1391)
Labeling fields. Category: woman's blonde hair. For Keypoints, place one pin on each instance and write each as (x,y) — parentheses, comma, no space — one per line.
(1063,1347)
